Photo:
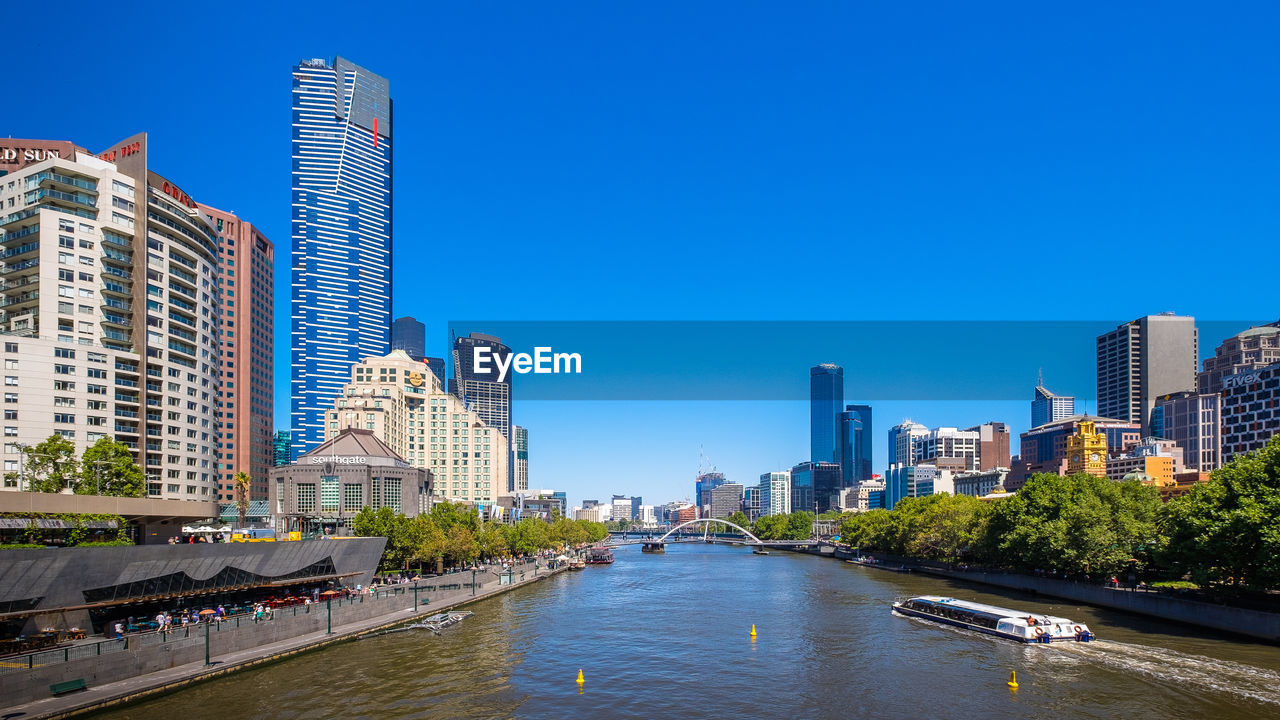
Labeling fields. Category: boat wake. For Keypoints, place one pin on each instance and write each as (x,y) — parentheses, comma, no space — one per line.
(1182,669)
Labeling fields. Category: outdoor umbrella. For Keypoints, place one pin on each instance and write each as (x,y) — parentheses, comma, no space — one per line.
(206,612)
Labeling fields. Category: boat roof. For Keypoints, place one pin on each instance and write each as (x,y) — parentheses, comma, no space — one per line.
(993,609)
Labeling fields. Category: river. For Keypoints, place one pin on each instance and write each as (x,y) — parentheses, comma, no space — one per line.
(661,636)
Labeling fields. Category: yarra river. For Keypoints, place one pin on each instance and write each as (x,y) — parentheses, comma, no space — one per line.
(665,636)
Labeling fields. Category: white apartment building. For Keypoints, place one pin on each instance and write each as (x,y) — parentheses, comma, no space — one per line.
(949,447)
(401,401)
(775,493)
(109,309)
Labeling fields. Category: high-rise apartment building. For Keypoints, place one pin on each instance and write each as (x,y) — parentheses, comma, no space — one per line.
(341,231)
(1047,406)
(110,311)
(826,398)
(855,443)
(409,335)
(405,407)
(479,387)
(725,500)
(520,457)
(775,493)
(246,395)
(993,445)
(1142,360)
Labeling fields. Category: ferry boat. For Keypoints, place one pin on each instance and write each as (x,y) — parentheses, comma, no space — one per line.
(993,620)
(599,556)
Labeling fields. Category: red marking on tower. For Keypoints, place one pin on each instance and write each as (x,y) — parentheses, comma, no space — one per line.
(375,132)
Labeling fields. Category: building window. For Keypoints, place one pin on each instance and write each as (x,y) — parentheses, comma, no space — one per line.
(306,497)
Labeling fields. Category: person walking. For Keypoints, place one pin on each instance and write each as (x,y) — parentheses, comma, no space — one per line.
(119,630)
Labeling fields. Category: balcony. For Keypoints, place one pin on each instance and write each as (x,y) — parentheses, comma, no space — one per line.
(122,382)
(23,298)
(117,304)
(121,412)
(19,234)
(123,258)
(116,320)
(131,429)
(20,250)
(126,367)
(109,270)
(50,178)
(132,399)
(113,238)
(117,288)
(76,198)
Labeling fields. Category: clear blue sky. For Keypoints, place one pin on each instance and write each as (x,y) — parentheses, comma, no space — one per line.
(730,161)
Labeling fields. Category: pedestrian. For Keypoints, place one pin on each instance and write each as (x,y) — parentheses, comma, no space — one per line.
(119,630)
(160,621)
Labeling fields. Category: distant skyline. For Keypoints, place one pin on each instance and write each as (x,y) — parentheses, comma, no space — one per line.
(642,161)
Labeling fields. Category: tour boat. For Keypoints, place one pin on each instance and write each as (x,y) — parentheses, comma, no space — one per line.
(577,565)
(998,621)
(599,556)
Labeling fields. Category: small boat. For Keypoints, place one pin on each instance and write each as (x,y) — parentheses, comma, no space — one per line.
(599,556)
(577,564)
(760,551)
(993,620)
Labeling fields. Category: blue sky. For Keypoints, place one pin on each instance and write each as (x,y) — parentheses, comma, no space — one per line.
(729,161)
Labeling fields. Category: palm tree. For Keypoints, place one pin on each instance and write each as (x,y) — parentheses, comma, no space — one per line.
(242,480)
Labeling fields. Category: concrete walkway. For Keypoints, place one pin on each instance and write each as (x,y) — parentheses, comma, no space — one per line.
(103,696)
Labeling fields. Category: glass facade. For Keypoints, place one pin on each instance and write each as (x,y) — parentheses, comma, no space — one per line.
(826,398)
(341,231)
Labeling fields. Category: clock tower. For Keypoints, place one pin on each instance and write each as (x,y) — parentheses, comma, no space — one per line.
(1087,451)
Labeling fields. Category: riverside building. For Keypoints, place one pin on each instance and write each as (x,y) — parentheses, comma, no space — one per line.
(400,401)
(1142,360)
(341,232)
(1250,410)
(775,493)
(110,311)
(247,264)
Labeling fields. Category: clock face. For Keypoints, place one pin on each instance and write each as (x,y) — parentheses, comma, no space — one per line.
(1094,457)
(1076,458)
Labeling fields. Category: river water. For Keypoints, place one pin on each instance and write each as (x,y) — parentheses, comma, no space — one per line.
(659,636)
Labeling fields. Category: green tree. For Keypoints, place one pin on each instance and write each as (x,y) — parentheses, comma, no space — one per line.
(1080,524)
(426,541)
(871,530)
(771,527)
(107,468)
(799,525)
(595,531)
(530,536)
(461,547)
(739,518)
(51,465)
(491,541)
(1228,530)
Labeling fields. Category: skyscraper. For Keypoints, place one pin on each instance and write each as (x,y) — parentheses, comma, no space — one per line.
(855,444)
(480,389)
(246,395)
(704,484)
(281,449)
(1047,407)
(826,397)
(110,290)
(341,229)
(409,335)
(437,368)
(520,457)
(903,439)
(1142,360)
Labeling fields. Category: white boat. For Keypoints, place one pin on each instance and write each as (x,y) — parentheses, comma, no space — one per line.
(992,620)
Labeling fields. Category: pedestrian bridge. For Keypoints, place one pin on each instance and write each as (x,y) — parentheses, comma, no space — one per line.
(706,524)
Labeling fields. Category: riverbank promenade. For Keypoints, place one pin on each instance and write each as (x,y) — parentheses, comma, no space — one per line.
(179,659)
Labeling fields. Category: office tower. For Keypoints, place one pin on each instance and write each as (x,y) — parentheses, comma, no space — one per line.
(751,502)
(855,444)
(1251,349)
(1250,411)
(520,458)
(479,387)
(899,482)
(725,500)
(993,445)
(703,486)
(403,404)
(1047,407)
(281,449)
(1141,360)
(813,485)
(826,397)
(903,439)
(621,507)
(775,493)
(636,502)
(436,365)
(410,336)
(341,231)
(949,448)
(246,394)
(109,302)
(1087,450)
(1193,421)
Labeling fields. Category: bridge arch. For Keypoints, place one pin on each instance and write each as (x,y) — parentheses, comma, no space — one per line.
(704,521)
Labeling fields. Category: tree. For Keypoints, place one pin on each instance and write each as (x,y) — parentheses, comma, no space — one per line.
(461,548)
(799,525)
(51,465)
(108,468)
(491,541)
(739,518)
(426,541)
(1228,530)
(242,481)
(1080,524)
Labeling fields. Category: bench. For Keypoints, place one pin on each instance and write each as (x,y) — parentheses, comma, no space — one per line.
(63,688)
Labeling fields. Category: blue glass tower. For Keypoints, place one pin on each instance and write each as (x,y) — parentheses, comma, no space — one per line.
(341,223)
(826,399)
(855,443)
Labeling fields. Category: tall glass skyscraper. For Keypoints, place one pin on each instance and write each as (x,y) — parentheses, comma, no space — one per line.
(409,335)
(341,260)
(826,400)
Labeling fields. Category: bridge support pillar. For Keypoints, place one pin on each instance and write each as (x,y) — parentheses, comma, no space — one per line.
(654,547)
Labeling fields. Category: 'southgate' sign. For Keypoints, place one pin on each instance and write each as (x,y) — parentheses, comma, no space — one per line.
(341,460)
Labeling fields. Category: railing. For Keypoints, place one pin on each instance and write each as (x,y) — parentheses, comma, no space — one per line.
(20,250)
(15,234)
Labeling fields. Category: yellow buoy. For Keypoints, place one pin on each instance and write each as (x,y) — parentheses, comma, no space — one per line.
(580,678)
(1013,679)
(753,630)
